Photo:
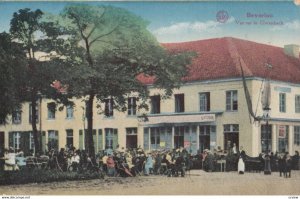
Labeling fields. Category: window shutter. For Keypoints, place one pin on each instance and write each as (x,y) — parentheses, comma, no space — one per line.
(115,138)
(57,144)
(44,141)
(95,140)
(208,102)
(169,138)
(100,140)
(11,139)
(146,138)
(81,139)
(25,142)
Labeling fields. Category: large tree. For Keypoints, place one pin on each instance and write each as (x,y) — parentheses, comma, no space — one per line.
(38,38)
(12,67)
(113,47)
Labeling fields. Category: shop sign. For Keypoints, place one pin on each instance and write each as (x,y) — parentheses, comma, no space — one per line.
(179,119)
(282,89)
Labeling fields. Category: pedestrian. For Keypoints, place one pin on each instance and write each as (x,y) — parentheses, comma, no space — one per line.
(75,159)
(288,165)
(295,161)
(281,165)
(241,161)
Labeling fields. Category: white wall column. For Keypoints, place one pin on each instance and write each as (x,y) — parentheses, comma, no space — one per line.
(256,140)
(197,139)
(291,140)
(274,138)
(173,133)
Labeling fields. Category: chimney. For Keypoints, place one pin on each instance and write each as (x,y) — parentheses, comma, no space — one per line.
(291,50)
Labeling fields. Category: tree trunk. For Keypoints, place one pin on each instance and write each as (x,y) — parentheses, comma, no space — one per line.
(90,147)
(33,124)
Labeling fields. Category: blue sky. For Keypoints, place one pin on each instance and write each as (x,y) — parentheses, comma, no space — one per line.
(187,21)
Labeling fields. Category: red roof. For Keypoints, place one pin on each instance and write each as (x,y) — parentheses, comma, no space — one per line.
(220,58)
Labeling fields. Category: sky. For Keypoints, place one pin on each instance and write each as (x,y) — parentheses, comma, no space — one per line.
(276,23)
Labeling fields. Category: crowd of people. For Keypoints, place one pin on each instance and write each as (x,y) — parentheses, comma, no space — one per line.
(133,162)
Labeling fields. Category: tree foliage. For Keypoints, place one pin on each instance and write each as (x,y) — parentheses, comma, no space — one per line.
(37,38)
(12,68)
(112,47)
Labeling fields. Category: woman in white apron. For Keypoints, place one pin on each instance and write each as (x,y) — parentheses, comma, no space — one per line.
(241,166)
(241,162)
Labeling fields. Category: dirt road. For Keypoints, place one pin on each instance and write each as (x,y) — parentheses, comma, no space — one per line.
(197,183)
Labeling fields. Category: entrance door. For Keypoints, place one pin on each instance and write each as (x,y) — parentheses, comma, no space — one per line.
(131,141)
(131,138)
(231,135)
(229,139)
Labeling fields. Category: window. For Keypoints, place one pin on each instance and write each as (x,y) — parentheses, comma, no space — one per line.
(231,128)
(131,106)
(52,140)
(204,101)
(109,111)
(51,110)
(69,112)
(111,138)
(231,101)
(297,135)
(16,138)
(204,137)
(179,103)
(297,103)
(17,116)
(154,137)
(266,138)
(69,138)
(155,104)
(36,115)
(282,102)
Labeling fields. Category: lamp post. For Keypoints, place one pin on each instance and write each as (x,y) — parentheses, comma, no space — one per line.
(267,168)
(266,101)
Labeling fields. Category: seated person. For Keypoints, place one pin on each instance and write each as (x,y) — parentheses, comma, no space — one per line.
(10,160)
(20,159)
(148,164)
(75,159)
(111,170)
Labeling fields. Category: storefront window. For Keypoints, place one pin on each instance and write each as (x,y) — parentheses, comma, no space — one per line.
(179,137)
(283,134)
(266,138)
(155,138)
(297,135)
(204,138)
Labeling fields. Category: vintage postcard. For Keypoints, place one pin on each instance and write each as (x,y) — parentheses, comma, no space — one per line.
(149,98)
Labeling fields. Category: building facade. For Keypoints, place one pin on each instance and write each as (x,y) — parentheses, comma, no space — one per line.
(207,111)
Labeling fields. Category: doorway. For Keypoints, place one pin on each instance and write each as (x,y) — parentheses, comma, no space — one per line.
(131,138)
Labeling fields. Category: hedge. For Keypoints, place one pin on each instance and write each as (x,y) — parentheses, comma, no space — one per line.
(41,176)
